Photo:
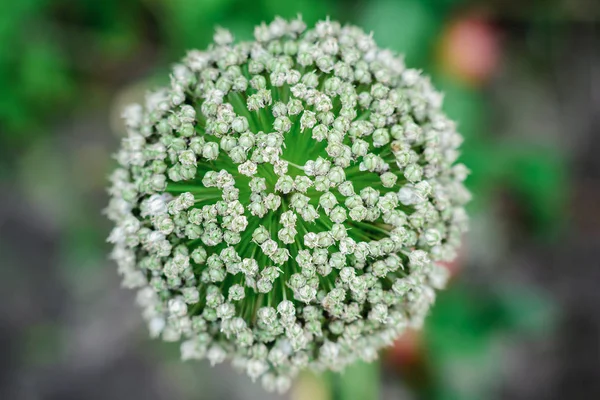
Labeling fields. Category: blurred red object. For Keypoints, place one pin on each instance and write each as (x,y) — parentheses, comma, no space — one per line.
(454,266)
(469,49)
(406,350)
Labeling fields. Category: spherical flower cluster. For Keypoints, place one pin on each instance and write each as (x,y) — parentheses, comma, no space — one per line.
(286,203)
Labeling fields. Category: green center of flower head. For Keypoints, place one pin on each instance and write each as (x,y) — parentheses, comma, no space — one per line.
(285,202)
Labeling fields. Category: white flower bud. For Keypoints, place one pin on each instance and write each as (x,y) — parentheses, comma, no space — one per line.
(210,151)
(249,267)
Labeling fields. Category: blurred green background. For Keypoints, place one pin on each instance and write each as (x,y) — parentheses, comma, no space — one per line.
(519,319)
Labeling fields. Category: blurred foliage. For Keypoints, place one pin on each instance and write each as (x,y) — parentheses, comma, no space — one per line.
(44,64)
(533,172)
(187,24)
(467,336)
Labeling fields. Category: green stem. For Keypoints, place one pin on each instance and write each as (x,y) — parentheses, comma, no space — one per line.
(359,381)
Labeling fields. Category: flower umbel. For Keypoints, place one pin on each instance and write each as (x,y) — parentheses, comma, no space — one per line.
(286,202)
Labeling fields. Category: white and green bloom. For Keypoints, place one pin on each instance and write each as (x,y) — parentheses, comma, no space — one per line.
(285,203)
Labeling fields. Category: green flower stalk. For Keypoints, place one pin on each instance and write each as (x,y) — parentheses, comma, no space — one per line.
(285,203)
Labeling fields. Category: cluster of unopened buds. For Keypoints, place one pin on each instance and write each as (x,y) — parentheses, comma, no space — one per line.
(287,203)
